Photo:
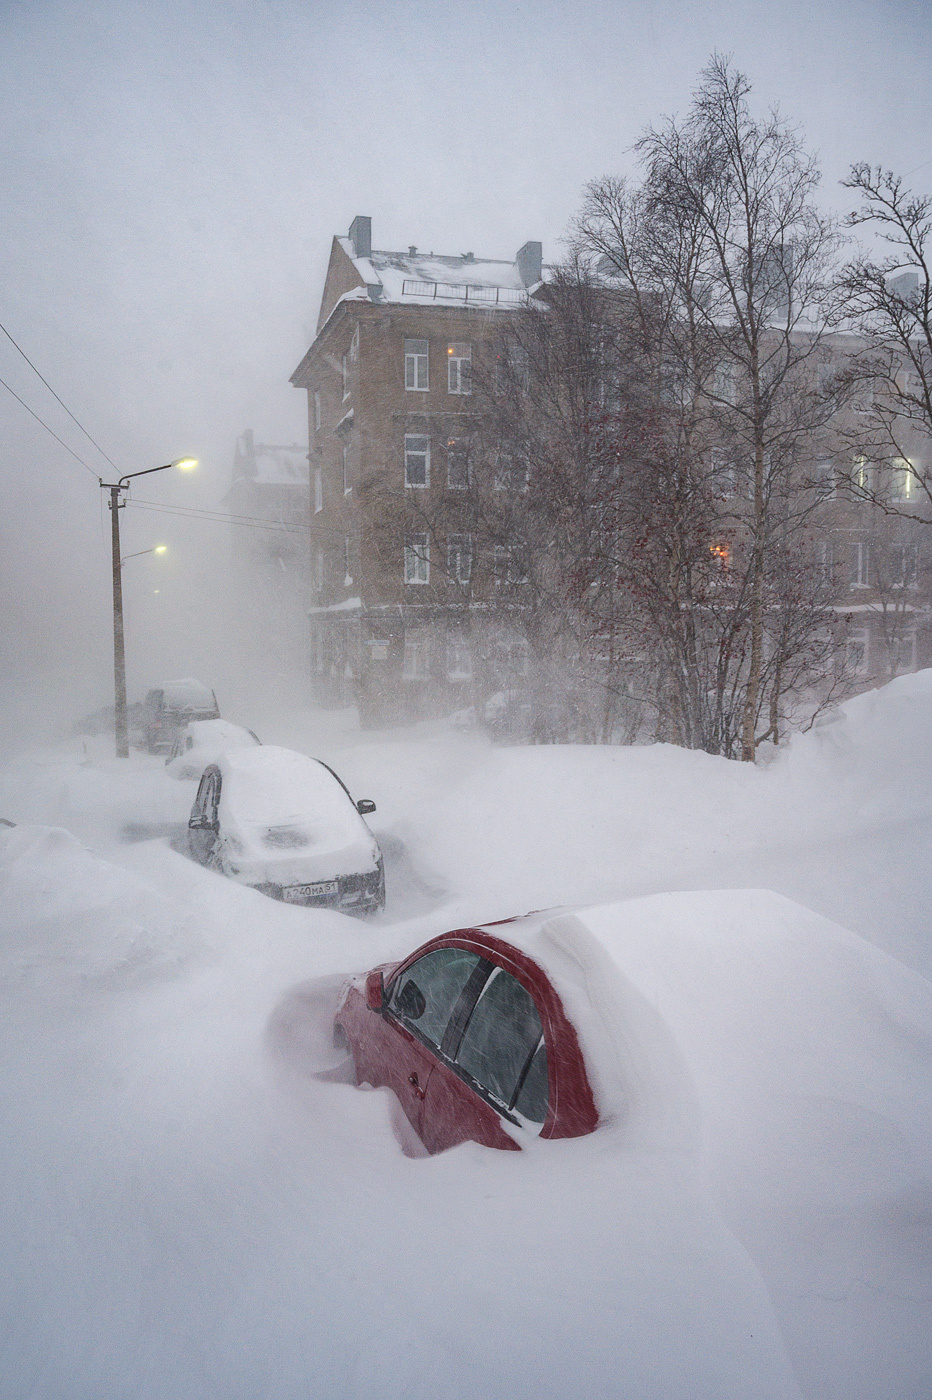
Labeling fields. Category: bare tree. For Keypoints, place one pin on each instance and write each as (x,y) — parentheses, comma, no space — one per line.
(726,258)
(886,299)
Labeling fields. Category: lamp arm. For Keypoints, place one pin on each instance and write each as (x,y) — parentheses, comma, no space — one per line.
(148,472)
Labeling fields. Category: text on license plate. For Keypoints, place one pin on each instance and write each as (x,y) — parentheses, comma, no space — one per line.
(296,893)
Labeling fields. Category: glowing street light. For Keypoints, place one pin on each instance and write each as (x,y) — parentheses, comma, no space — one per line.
(184,464)
(156,549)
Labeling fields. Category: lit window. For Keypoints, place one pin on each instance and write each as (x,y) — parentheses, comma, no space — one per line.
(459,557)
(904,480)
(416,365)
(417,559)
(417,459)
(318,490)
(459,369)
(721,554)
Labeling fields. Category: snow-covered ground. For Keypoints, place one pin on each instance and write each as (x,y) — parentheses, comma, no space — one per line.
(188,1210)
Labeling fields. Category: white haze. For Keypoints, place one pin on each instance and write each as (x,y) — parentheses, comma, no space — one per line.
(172,176)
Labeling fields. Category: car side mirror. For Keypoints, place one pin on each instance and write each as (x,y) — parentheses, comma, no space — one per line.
(375,991)
(364,807)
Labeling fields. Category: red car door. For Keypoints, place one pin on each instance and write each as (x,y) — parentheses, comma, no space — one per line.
(421,1001)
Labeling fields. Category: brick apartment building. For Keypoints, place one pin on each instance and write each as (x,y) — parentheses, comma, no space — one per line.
(389,380)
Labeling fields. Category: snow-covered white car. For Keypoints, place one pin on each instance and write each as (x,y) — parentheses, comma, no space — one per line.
(286,825)
(203,742)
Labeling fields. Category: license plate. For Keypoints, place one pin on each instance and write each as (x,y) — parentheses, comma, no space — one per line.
(296,894)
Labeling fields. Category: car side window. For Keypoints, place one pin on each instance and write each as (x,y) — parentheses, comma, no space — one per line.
(534,1094)
(426,994)
(200,802)
(502,1034)
(213,799)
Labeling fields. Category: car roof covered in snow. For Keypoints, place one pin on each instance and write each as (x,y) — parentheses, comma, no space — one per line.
(220,732)
(189,694)
(728,1003)
(271,786)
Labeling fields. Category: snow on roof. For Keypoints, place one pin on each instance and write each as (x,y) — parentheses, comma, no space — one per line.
(272,786)
(280,466)
(414,277)
(189,694)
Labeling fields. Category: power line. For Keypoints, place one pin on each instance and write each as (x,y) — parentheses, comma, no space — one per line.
(49,430)
(246,521)
(58,400)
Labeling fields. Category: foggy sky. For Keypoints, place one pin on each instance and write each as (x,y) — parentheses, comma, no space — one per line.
(172,175)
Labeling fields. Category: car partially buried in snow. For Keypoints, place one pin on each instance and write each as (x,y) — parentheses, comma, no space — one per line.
(203,742)
(471,1035)
(286,825)
(168,708)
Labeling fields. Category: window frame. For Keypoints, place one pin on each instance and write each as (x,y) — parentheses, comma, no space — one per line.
(411,552)
(459,367)
(412,364)
(459,546)
(416,452)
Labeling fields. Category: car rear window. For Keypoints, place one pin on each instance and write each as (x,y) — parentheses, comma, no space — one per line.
(425,995)
(502,1034)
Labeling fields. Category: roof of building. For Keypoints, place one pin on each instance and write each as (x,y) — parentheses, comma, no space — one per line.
(420,277)
(269,465)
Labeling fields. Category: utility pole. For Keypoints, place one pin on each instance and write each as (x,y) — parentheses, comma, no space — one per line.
(120,727)
(119,654)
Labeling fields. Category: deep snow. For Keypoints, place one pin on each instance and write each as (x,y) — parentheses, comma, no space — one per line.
(189,1211)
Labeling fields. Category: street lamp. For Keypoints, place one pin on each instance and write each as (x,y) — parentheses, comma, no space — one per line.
(119,656)
(156,549)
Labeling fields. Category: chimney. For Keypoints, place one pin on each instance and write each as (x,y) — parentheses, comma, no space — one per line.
(361,235)
(529,263)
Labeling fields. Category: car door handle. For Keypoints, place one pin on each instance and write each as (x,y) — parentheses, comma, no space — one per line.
(413,1081)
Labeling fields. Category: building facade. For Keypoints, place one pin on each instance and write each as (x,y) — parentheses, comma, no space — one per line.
(389,382)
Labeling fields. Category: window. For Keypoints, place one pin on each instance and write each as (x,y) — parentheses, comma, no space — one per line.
(862,476)
(511,369)
(856,645)
(724,473)
(904,481)
(501,1038)
(317,410)
(344,467)
(905,562)
(318,490)
(416,663)
(903,652)
(860,564)
(509,564)
(320,570)
(417,459)
(344,370)
(824,561)
(457,465)
(825,479)
(417,559)
(512,470)
(416,364)
(459,369)
(426,994)
(459,557)
(725,382)
(459,659)
(347,570)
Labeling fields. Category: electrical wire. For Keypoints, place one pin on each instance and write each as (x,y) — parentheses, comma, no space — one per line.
(49,430)
(58,400)
(251,522)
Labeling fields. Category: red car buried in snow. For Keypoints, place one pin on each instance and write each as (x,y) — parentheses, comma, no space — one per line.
(470,1034)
